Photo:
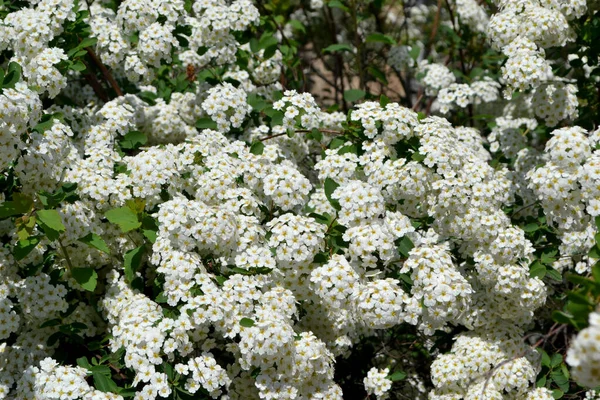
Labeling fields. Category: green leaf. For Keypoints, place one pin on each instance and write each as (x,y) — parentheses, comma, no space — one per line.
(20,204)
(397,376)
(556,360)
(50,222)
(52,219)
(294,23)
(132,140)
(537,270)
(329,187)
(104,383)
(91,239)
(546,361)
(405,246)
(554,274)
(416,156)
(13,75)
(414,52)
(531,227)
(549,257)
(339,47)
(124,217)
(78,66)
(557,393)
(206,123)
(594,252)
(562,317)
(132,261)
(86,277)
(247,322)
(560,380)
(338,4)
(353,95)
(87,42)
(84,363)
(24,247)
(257,148)
(380,38)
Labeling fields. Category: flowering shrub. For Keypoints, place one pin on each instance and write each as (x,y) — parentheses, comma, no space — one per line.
(299,199)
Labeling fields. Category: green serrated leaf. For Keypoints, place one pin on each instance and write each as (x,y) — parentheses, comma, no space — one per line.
(125,217)
(556,360)
(51,218)
(546,361)
(537,270)
(86,277)
(133,140)
(91,239)
(84,363)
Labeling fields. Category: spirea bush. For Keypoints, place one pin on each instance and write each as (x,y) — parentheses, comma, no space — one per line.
(299,199)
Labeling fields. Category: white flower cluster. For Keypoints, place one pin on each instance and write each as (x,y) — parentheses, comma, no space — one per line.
(435,77)
(226,105)
(522,30)
(584,356)
(376,383)
(462,94)
(299,109)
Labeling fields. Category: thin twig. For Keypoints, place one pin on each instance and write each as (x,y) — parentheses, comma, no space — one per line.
(107,75)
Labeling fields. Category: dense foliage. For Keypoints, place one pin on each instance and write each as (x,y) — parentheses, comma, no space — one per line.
(299,199)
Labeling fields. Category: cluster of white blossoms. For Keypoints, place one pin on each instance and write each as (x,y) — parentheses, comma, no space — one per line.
(522,30)
(252,270)
(435,77)
(485,90)
(584,355)
(376,383)
(226,105)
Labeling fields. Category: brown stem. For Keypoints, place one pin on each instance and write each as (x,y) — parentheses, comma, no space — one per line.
(107,75)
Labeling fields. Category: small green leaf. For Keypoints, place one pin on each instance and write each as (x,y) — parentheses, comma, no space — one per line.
(556,360)
(247,322)
(554,274)
(206,123)
(531,227)
(537,270)
(86,277)
(257,148)
(51,218)
(414,52)
(405,246)
(562,317)
(132,261)
(24,247)
(104,383)
(294,23)
(338,4)
(380,38)
(84,363)
(329,186)
(545,358)
(416,156)
(594,252)
(133,140)
(557,393)
(13,75)
(20,204)
(339,47)
(91,239)
(124,217)
(78,66)
(353,95)
(397,376)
